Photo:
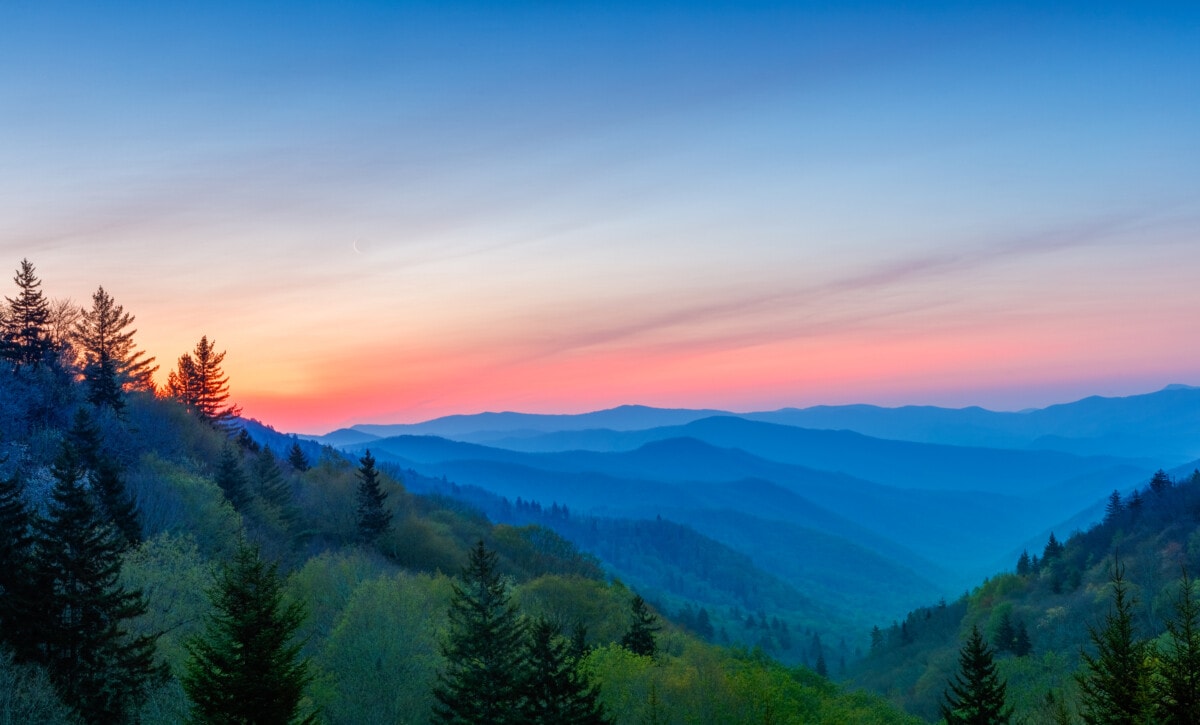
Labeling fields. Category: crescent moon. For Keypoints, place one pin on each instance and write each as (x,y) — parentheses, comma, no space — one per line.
(354,245)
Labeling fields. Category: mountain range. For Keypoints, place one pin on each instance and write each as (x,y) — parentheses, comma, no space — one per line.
(926,499)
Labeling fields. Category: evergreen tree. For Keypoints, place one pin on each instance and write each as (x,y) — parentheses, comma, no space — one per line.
(296,458)
(1177,687)
(109,362)
(821,668)
(1160,482)
(98,669)
(1006,634)
(1052,551)
(556,692)
(1024,564)
(977,694)
(1113,508)
(26,337)
(1115,683)
(245,668)
(484,679)
(272,486)
(104,474)
(639,638)
(1022,645)
(20,599)
(230,477)
(373,518)
(199,383)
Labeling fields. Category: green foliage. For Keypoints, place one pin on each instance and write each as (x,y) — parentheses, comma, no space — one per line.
(379,661)
(173,577)
(1177,687)
(27,695)
(555,691)
(174,501)
(640,637)
(1115,683)
(485,666)
(245,668)
(977,694)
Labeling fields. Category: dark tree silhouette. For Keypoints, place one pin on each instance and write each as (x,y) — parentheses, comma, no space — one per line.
(26,337)
(97,667)
(20,598)
(1115,683)
(977,694)
(230,477)
(484,680)
(107,356)
(373,517)
(296,458)
(556,691)
(199,383)
(639,638)
(245,667)
(1177,688)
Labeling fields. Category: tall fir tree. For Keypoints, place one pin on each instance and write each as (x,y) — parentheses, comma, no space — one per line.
(231,479)
(644,625)
(1177,687)
(202,386)
(107,356)
(1115,683)
(26,337)
(20,597)
(556,692)
(246,667)
(105,476)
(976,695)
(98,668)
(374,519)
(296,458)
(484,680)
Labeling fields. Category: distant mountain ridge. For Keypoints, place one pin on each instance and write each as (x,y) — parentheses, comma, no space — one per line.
(1163,425)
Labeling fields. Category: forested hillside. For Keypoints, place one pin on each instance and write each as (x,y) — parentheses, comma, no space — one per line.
(158,562)
(1058,626)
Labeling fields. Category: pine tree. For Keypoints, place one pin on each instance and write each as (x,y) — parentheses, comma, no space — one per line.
(1006,634)
(230,477)
(296,458)
(20,599)
(104,474)
(97,667)
(1022,645)
(1177,687)
(1053,549)
(1024,564)
(245,667)
(26,337)
(1160,482)
(639,638)
(199,383)
(109,362)
(556,692)
(1115,683)
(977,694)
(484,679)
(373,518)
(1113,508)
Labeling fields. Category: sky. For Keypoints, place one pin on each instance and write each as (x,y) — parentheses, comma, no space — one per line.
(387,212)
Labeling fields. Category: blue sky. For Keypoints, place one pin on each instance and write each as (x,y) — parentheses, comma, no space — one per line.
(387,211)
